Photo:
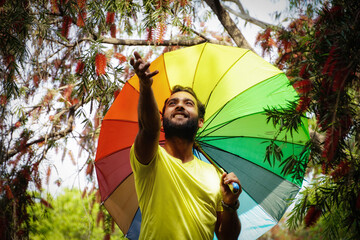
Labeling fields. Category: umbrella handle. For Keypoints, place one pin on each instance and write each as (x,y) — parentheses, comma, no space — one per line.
(234,187)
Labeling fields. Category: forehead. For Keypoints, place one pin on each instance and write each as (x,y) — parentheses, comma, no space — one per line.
(182,96)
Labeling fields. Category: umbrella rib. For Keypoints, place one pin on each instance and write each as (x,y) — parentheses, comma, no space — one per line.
(217,127)
(218,138)
(240,57)
(197,65)
(166,74)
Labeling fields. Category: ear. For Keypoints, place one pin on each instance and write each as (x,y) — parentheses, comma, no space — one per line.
(200,122)
(161,127)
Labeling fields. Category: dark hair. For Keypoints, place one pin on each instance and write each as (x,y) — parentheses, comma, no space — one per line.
(178,88)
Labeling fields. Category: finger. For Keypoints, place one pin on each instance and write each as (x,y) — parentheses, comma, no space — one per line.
(137,55)
(137,64)
(231,177)
(144,67)
(150,75)
(132,61)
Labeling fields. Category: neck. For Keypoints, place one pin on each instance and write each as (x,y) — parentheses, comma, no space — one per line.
(180,148)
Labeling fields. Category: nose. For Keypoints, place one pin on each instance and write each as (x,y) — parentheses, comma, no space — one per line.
(179,106)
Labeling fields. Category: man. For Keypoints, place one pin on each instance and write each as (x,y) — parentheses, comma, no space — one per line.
(180,196)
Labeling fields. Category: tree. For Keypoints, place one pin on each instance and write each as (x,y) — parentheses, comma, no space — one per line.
(319,54)
(70,216)
(62,62)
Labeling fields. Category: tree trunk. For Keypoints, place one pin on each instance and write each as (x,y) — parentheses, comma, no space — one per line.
(228,24)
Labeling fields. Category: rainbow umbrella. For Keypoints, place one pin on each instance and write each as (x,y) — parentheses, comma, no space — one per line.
(236,86)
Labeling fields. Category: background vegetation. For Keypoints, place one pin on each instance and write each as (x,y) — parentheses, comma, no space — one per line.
(64,61)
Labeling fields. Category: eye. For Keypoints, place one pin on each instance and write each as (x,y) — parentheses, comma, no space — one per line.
(189,103)
(171,103)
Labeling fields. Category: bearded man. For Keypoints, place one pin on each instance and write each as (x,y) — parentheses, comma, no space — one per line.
(180,196)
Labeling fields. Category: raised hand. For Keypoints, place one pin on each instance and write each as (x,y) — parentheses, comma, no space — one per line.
(228,196)
(142,70)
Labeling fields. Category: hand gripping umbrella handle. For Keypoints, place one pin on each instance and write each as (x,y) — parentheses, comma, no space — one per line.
(234,187)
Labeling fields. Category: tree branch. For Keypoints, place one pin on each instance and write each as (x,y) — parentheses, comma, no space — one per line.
(53,135)
(139,42)
(246,17)
(228,24)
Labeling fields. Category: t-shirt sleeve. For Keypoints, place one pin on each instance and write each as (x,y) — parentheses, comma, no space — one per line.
(138,167)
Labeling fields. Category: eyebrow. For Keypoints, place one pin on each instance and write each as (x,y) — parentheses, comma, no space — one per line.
(177,99)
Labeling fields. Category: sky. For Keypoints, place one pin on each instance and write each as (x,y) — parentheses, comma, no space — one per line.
(68,172)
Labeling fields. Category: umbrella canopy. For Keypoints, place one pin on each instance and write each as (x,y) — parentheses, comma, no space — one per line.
(235,85)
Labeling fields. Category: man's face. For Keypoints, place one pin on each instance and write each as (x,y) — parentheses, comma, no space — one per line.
(180,117)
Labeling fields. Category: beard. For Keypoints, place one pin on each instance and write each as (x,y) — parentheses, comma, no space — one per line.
(186,131)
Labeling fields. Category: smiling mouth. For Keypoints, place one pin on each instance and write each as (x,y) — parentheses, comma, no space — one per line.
(179,115)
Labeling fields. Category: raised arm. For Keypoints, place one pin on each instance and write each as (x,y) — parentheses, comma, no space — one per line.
(147,139)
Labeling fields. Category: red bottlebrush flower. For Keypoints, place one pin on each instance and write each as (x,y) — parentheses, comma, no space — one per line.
(312,216)
(113,30)
(100,64)
(58,182)
(81,3)
(89,169)
(150,33)
(48,173)
(330,145)
(9,60)
(84,193)
(187,21)
(9,193)
(99,217)
(341,170)
(36,80)
(74,101)
(121,57)
(183,3)
(267,33)
(57,63)
(329,60)
(3,100)
(54,6)
(303,86)
(116,93)
(68,91)
(48,97)
(339,79)
(81,19)
(107,236)
(66,26)
(17,124)
(161,32)
(26,174)
(110,18)
(304,72)
(80,67)
(336,10)
(45,203)
(303,104)
(358,201)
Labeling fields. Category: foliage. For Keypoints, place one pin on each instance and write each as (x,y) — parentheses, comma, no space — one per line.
(63,61)
(61,64)
(320,55)
(70,216)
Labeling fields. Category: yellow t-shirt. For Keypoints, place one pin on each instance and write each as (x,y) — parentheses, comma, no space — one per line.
(177,200)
